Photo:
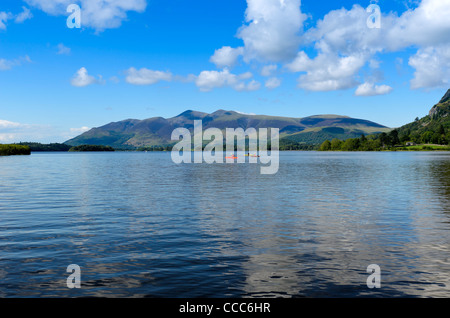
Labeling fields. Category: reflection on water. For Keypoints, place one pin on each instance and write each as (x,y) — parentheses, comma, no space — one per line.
(140,226)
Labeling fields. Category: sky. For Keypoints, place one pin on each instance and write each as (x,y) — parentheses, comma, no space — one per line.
(384,61)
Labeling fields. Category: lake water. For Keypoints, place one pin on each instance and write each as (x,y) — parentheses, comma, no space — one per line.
(139,225)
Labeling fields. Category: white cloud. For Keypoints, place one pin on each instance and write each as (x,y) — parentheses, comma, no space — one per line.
(432,65)
(53,7)
(63,50)
(4,124)
(245,76)
(24,15)
(79,130)
(208,80)
(272,32)
(249,87)
(97,14)
(343,34)
(145,76)
(82,78)
(370,89)
(9,64)
(273,82)
(327,72)
(267,70)
(11,132)
(226,56)
(5,65)
(4,17)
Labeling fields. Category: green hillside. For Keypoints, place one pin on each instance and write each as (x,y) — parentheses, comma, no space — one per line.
(431,132)
(433,128)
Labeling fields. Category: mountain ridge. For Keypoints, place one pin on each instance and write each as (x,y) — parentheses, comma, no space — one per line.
(135,133)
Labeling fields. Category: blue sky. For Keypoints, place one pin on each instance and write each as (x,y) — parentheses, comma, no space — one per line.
(146,58)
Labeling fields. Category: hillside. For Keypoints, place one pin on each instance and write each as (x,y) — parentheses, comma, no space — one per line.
(431,132)
(313,130)
(433,128)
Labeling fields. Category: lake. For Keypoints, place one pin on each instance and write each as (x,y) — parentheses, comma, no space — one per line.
(139,225)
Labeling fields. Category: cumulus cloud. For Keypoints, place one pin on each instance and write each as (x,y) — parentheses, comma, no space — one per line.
(208,80)
(273,82)
(97,14)
(226,56)
(432,67)
(247,87)
(82,78)
(370,89)
(145,76)
(327,72)
(268,70)
(272,32)
(343,35)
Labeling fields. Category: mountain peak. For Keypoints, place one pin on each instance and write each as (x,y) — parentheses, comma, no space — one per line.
(192,114)
(446,97)
(442,108)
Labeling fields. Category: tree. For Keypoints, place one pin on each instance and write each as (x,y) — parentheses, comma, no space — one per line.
(427,136)
(393,138)
(336,144)
(384,139)
(351,144)
(325,146)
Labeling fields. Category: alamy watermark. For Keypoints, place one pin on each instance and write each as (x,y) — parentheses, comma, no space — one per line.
(213,152)
(74,279)
(74,19)
(374,20)
(374,279)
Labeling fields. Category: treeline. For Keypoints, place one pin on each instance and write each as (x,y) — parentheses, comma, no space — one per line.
(84,148)
(369,143)
(286,145)
(11,150)
(155,148)
(439,135)
(38,147)
(385,141)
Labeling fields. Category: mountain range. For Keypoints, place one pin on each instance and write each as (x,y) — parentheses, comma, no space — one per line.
(157,131)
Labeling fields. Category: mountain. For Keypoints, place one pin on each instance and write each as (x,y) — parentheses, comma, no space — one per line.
(133,133)
(433,128)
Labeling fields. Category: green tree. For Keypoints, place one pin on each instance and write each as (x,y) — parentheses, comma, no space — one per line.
(427,136)
(336,144)
(351,144)
(393,138)
(384,139)
(325,146)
